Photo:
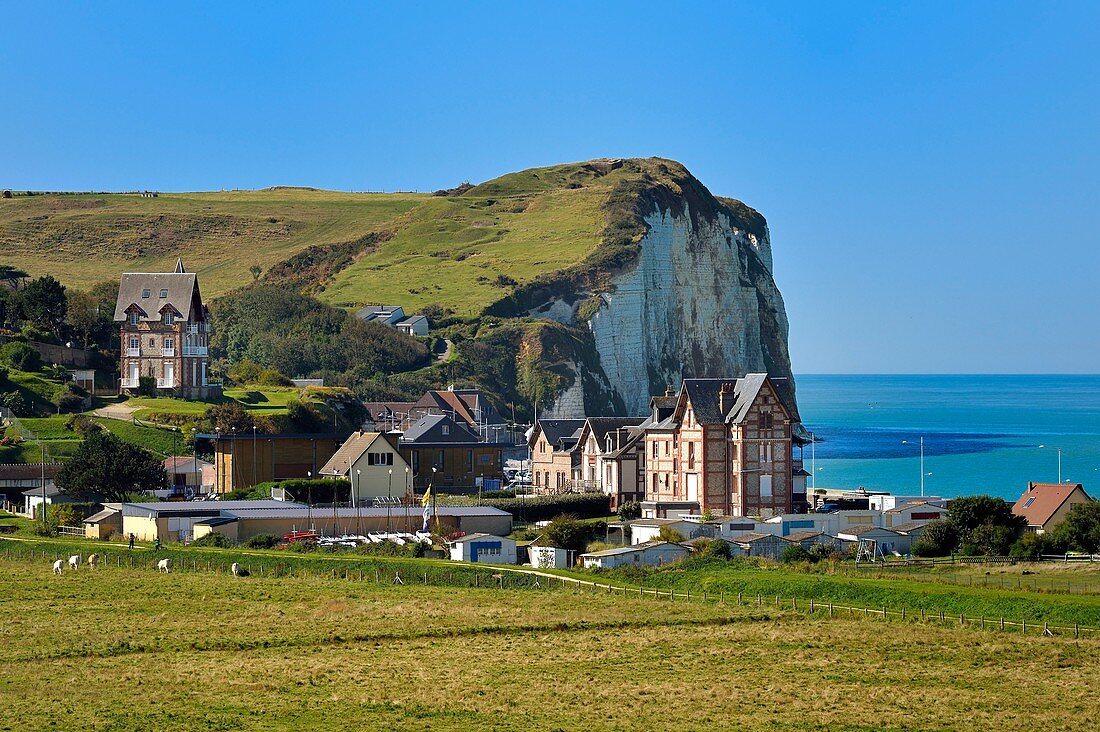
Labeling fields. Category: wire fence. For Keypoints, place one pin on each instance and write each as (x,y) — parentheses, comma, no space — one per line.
(1031,577)
(462,575)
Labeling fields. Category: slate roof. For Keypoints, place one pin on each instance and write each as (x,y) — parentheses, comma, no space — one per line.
(182,290)
(705,400)
(561,433)
(459,432)
(601,426)
(1045,500)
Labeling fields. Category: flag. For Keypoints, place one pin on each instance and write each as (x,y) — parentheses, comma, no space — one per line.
(427,500)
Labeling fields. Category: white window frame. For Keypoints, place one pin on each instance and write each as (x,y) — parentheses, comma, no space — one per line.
(135,318)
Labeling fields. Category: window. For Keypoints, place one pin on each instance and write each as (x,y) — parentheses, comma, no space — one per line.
(1028,502)
(542,445)
(765,420)
(439,459)
(765,486)
(146,293)
(765,452)
(164,293)
(168,344)
(379,458)
(445,429)
(192,328)
(691,455)
(667,448)
(484,459)
(654,449)
(469,460)
(134,318)
(169,318)
(135,342)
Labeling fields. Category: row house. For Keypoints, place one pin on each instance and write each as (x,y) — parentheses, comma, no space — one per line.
(723,445)
(610,458)
(164,333)
(554,458)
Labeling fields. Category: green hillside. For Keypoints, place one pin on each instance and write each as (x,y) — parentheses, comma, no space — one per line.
(219,235)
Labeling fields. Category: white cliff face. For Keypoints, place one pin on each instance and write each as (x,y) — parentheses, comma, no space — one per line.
(698,301)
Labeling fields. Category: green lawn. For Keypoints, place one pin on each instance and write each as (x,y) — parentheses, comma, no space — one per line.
(134,649)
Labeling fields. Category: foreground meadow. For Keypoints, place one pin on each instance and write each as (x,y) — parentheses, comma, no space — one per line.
(131,649)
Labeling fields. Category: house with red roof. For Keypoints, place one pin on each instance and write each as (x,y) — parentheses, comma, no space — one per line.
(1045,505)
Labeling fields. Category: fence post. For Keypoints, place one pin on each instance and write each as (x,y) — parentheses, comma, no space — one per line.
(1002,623)
(884,612)
(811,606)
(830,609)
(1023,626)
(1076,631)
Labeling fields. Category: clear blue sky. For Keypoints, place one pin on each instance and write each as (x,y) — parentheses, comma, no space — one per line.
(929,172)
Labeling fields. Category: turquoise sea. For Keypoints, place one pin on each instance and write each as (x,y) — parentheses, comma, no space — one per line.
(981,433)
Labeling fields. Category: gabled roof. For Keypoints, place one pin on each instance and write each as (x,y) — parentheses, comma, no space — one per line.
(426,424)
(914,504)
(751,536)
(384,410)
(909,526)
(1041,501)
(863,529)
(352,449)
(632,549)
(706,400)
(562,434)
(182,464)
(803,535)
(103,515)
(601,426)
(28,471)
(447,402)
(476,536)
(183,294)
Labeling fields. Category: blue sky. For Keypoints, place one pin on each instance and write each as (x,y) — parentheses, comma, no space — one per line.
(929,171)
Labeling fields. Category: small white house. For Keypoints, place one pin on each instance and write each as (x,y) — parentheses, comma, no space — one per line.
(484,548)
(548,557)
(654,553)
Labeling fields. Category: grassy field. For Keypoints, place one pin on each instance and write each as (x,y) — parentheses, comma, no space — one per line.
(131,649)
(219,235)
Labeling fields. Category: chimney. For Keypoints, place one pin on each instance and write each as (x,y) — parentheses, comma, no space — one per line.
(669,391)
(725,398)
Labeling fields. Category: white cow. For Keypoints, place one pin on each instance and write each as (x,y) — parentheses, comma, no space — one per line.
(58,566)
(164,565)
(93,561)
(74,561)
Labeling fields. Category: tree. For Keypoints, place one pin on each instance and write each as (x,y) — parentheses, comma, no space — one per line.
(22,356)
(12,276)
(670,535)
(1081,528)
(86,317)
(567,532)
(938,539)
(989,540)
(105,466)
(794,553)
(255,270)
(229,418)
(44,303)
(968,513)
(1032,545)
(14,401)
(630,510)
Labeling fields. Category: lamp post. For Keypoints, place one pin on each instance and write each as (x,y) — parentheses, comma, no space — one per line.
(359,484)
(309,498)
(254,455)
(1059,451)
(813,462)
(907,442)
(389,502)
(409,495)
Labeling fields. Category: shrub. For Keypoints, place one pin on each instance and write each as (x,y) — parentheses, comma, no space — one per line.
(69,403)
(989,540)
(62,514)
(271,377)
(630,510)
(937,540)
(14,401)
(81,424)
(263,541)
(214,539)
(545,508)
(22,357)
(1031,545)
(302,547)
(1081,528)
(568,532)
(669,534)
(714,549)
(794,553)
(147,386)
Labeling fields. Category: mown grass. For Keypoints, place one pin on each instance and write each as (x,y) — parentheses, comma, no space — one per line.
(127,649)
(218,234)
(896,593)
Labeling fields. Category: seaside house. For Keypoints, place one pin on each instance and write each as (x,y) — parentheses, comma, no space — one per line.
(460,459)
(1045,505)
(610,449)
(554,456)
(164,333)
(374,465)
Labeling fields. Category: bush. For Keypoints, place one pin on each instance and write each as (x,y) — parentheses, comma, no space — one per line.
(271,377)
(263,541)
(69,403)
(1081,528)
(567,532)
(937,540)
(794,553)
(14,401)
(714,549)
(989,540)
(545,508)
(1031,545)
(147,386)
(214,539)
(22,357)
(670,535)
(630,510)
(81,424)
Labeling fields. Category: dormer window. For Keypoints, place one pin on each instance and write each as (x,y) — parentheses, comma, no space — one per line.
(164,293)
(134,318)
(146,293)
(169,319)
(446,429)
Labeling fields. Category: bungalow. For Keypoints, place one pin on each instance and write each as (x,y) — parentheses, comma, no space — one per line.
(1045,505)
(18,477)
(810,539)
(549,557)
(33,498)
(915,511)
(417,325)
(483,548)
(756,544)
(645,530)
(105,523)
(654,553)
(189,476)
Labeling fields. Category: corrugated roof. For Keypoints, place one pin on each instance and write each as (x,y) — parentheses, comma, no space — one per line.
(182,293)
(103,515)
(630,549)
(1041,501)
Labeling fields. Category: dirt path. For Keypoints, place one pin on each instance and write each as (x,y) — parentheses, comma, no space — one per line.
(116,411)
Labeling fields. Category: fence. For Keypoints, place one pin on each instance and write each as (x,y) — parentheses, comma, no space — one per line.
(940,561)
(511,578)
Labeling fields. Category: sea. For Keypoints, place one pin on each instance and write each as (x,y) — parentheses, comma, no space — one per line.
(982,434)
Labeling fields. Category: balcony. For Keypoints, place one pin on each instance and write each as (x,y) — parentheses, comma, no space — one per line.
(129,383)
(195,350)
(166,383)
(168,351)
(585,486)
(133,352)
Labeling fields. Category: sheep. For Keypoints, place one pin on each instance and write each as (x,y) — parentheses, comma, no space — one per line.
(93,561)
(164,565)
(58,566)
(238,570)
(74,561)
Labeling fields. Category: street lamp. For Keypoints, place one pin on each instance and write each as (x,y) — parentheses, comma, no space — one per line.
(907,442)
(389,502)
(1059,451)
(359,485)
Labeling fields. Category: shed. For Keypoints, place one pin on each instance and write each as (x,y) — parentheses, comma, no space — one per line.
(101,525)
(548,557)
(484,548)
(889,540)
(654,553)
(756,544)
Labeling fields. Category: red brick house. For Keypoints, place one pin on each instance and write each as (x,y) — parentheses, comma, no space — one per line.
(554,456)
(722,445)
(165,331)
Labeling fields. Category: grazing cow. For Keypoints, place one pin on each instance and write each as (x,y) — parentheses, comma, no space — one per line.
(74,561)
(164,565)
(58,566)
(93,561)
